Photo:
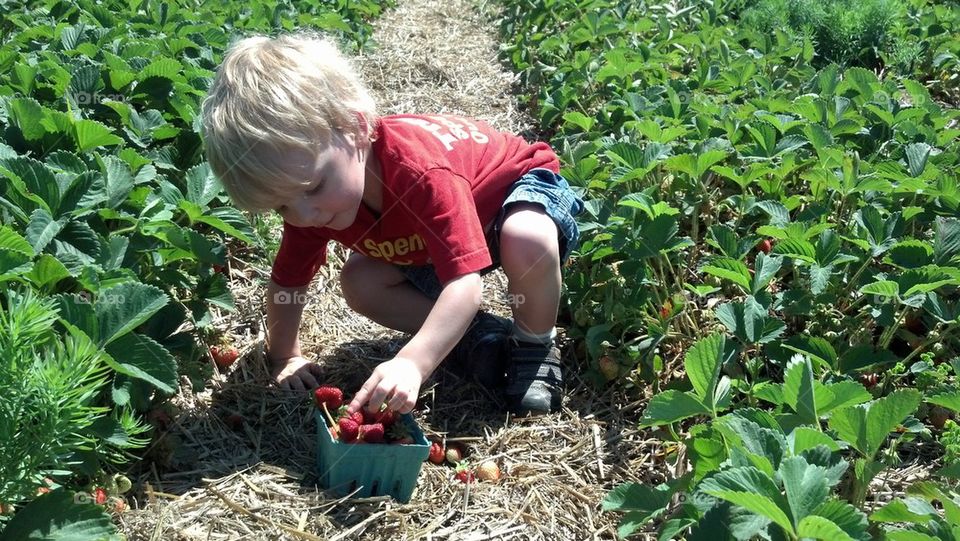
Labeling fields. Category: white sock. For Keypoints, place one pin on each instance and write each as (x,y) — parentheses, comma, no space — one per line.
(545,338)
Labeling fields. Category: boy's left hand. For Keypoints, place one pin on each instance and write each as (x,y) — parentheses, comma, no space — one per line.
(395,383)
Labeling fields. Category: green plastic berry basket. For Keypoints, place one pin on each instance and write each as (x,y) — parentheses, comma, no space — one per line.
(370,469)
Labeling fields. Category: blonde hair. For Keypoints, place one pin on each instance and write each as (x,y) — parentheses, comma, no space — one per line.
(293,93)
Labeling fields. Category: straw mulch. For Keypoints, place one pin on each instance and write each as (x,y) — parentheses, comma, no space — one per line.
(205,480)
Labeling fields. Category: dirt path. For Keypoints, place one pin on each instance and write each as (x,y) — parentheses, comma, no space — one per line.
(209,481)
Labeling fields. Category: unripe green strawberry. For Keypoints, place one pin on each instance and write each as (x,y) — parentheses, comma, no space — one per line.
(488,471)
(123,483)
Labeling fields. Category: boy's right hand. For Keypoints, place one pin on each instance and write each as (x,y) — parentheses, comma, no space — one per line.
(296,374)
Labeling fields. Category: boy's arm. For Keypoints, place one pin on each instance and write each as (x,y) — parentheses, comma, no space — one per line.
(446,323)
(397,382)
(284,310)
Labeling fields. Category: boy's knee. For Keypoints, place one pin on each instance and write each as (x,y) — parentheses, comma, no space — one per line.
(358,278)
(528,240)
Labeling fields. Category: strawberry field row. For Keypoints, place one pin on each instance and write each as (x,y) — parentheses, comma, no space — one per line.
(772,245)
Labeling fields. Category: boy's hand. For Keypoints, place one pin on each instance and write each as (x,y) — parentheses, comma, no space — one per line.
(395,383)
(297,374)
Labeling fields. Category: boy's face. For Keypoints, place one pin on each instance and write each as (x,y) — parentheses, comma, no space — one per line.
(335,192)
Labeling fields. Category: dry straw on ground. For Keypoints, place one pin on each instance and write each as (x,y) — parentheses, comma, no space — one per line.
(208,481)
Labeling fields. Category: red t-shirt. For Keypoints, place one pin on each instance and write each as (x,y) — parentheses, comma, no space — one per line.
(444,180)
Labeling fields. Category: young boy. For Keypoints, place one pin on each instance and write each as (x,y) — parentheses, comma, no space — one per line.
(426,203)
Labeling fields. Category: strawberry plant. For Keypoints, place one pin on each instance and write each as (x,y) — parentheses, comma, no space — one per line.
(799,217)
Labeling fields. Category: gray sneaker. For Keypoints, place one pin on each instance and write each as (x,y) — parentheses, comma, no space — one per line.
(534,379)
(481,355)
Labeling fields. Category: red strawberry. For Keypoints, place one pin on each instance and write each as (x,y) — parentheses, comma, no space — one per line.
(464,475)
(331,396)
(349,429)
(869,380)
(437,455)
(372,433)
(99,496)
(224,356)
(42,490)
(387,417)
(765,246)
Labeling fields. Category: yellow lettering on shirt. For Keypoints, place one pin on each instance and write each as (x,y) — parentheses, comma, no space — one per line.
(388,249)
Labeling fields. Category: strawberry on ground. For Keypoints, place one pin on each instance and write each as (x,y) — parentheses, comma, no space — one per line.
(488,471)
(464,474)
(765,246)
(609,368)
(224,356)
(454,454)
(437,454)
(99,496)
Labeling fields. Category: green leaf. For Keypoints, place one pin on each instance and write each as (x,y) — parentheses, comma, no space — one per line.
(917,154)
(640,498)
(946,245)
(899,511)
(202,184)
(949,400)
(867,427)
(815,527)
(123,307)
(850,519)
(139,356)
(807,438)
(840,394)
(47,271)
(798,389)
(671,406)
(882,288)
(56,516)
(751,489)
(27,114)
(41,229)
(749,321)
(230,221)
(730,269)
(765,268)
(703,362)
(805,486)
(793,248)
(90,134)
(818,349)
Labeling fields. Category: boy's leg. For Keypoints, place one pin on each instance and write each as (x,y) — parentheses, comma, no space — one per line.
(381,292)
(402,299)
(530,256)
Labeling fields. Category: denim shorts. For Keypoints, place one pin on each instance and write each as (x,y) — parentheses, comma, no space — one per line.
(540,186)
